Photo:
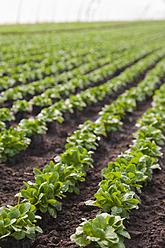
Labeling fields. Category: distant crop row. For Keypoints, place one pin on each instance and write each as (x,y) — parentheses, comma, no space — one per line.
(14,140)
(49,85)
(116,195)
(56,179)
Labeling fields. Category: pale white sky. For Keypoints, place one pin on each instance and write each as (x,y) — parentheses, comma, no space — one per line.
(30,11)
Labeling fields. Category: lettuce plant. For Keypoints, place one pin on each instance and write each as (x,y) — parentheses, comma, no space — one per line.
(19,221)
(147,147)
(42,194)
(151,119)
(41,101)
(50,114)
(104,231)
(111,122)
(21,105)
(6,114)
(12,142)
(68,175)
(2,126)
(114,197)
(150,133)
(78,156)
(31,126)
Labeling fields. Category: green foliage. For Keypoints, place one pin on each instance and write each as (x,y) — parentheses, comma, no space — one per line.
(78,156)
(131,169)
(68,175)
(104,231)
(21,105)
(6,114)
(150,133)
(11,143)
(50,115)
(18,221)
(153,120)
(41,101)
(111,122)
(114,197)
(43,192)
(2,126)
(87,136)
(31,126)
(147,147)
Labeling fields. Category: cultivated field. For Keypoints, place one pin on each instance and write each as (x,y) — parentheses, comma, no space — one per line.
(82,117)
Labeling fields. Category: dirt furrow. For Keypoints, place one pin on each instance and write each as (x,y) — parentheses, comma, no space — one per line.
(57,231)
(147,224)
(73,206)
(53,144)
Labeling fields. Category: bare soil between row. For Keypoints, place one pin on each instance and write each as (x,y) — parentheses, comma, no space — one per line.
(146,225)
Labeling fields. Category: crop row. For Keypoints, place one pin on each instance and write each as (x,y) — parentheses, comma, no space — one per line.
(52,66)
(65,83)
(54,70)
(49,56)
(16,139)
(64,47)
(56,179)
(56,44)
(116,195)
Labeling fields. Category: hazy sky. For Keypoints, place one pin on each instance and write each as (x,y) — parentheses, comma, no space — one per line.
(29,11)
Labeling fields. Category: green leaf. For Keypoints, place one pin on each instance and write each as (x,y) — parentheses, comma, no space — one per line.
(14,213)
(19,235)
(4,236)
(98,232)
(52,212)
(37,172)
(25,207)
(125,234)
(110,234)
(79,239)
(52,201)
(87,229)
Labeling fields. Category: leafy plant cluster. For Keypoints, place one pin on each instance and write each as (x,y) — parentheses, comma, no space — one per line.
(41,85)
(50,185)
(31,58)
(6,115)
(118,197)
(66,87)
(111,115)
(105,230)
(36,66)
(11,142)
(56,179)
(98,93)
(81,81)
(80,101)
(76,160)
(117,191)
(18,221)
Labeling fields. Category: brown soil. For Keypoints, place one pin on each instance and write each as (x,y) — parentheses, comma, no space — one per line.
(146,225)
